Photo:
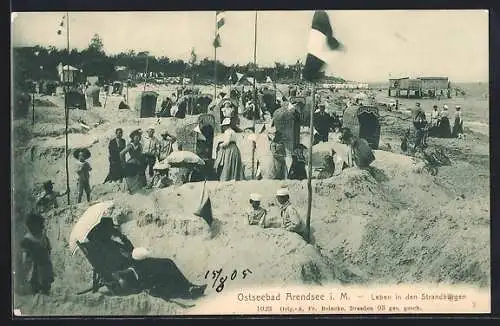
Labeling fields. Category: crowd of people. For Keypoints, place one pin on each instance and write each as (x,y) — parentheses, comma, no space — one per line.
(141,162)
(438,124)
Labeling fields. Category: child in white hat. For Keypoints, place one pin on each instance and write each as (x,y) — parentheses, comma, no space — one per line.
(291,220)
(256,214)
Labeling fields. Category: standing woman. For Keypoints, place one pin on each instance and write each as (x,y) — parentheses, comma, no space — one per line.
(228,161)
(279,169)
(444,123)
(116,145)
(458,125)
(135,166)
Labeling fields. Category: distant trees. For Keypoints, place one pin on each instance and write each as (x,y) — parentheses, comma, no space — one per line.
(40,63)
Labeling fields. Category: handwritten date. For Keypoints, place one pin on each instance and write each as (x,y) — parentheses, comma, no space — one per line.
(217,276)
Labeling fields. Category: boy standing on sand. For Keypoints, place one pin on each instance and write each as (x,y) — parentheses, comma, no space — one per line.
(83,170)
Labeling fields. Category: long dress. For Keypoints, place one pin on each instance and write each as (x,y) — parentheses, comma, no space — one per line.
(135,168)
(228,160)
(457,126)
(278,169)
(115,167)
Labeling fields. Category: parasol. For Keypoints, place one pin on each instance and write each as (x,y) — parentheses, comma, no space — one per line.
(86,223)
(184,157)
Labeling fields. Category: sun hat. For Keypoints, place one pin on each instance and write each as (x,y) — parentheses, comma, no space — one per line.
(226,122)
(140,253)
(283,191)
(135,132)
(85,151)
(445,107)
(255,197)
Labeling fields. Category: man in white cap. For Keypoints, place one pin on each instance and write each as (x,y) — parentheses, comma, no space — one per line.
(151,148)
(256,214)
(290,218)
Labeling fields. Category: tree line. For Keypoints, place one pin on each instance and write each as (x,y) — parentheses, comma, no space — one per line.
(40,63)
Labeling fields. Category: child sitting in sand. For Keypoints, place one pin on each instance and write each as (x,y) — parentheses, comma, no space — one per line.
(49,199)
(83,170)
(256,214)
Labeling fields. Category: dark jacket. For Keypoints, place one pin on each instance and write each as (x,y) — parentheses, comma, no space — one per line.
(115,147)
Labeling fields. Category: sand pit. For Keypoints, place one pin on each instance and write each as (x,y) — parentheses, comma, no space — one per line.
(394,223)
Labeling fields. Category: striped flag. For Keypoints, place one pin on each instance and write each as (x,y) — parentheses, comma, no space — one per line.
(220,21)
(61,25)
(321,42)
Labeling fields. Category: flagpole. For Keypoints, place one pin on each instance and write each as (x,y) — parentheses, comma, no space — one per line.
(66,109)
(254,90)
(215,58)
(309,174)
(146,74)
(33,107)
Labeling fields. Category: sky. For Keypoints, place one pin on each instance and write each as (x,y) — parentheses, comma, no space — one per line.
(379,44)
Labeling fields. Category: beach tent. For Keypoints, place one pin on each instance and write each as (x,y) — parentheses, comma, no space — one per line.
(93,96)
(76,99)
(364,122)
(146,104)
(269,100)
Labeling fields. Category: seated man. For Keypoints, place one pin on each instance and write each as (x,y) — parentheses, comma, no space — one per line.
(133,269)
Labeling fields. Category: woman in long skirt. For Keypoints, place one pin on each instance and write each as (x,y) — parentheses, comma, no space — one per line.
(135,166)
(228,162)
(458,127)
(444,129)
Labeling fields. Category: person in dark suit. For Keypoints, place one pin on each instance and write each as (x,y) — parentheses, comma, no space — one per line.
(116,145)
(322,123)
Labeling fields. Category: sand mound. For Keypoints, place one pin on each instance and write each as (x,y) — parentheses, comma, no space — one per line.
(391,223)
(44,102)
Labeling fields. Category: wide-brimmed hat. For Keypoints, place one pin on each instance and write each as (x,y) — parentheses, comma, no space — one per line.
(282,191)
(445,107)
(135,132)
(255,197)
(85,151)
(226,122)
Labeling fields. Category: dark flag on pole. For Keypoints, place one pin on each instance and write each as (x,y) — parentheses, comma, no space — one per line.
(205,209)
(61,25)
(220,21)
(321,41)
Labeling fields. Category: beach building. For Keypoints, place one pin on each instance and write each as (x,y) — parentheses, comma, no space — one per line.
(419,87)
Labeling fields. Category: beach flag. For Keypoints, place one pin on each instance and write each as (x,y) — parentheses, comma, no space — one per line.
(205,209)
(220,21)
(321,42)
(61,25)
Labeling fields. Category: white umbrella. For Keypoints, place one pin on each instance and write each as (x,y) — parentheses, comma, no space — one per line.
(88,221)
